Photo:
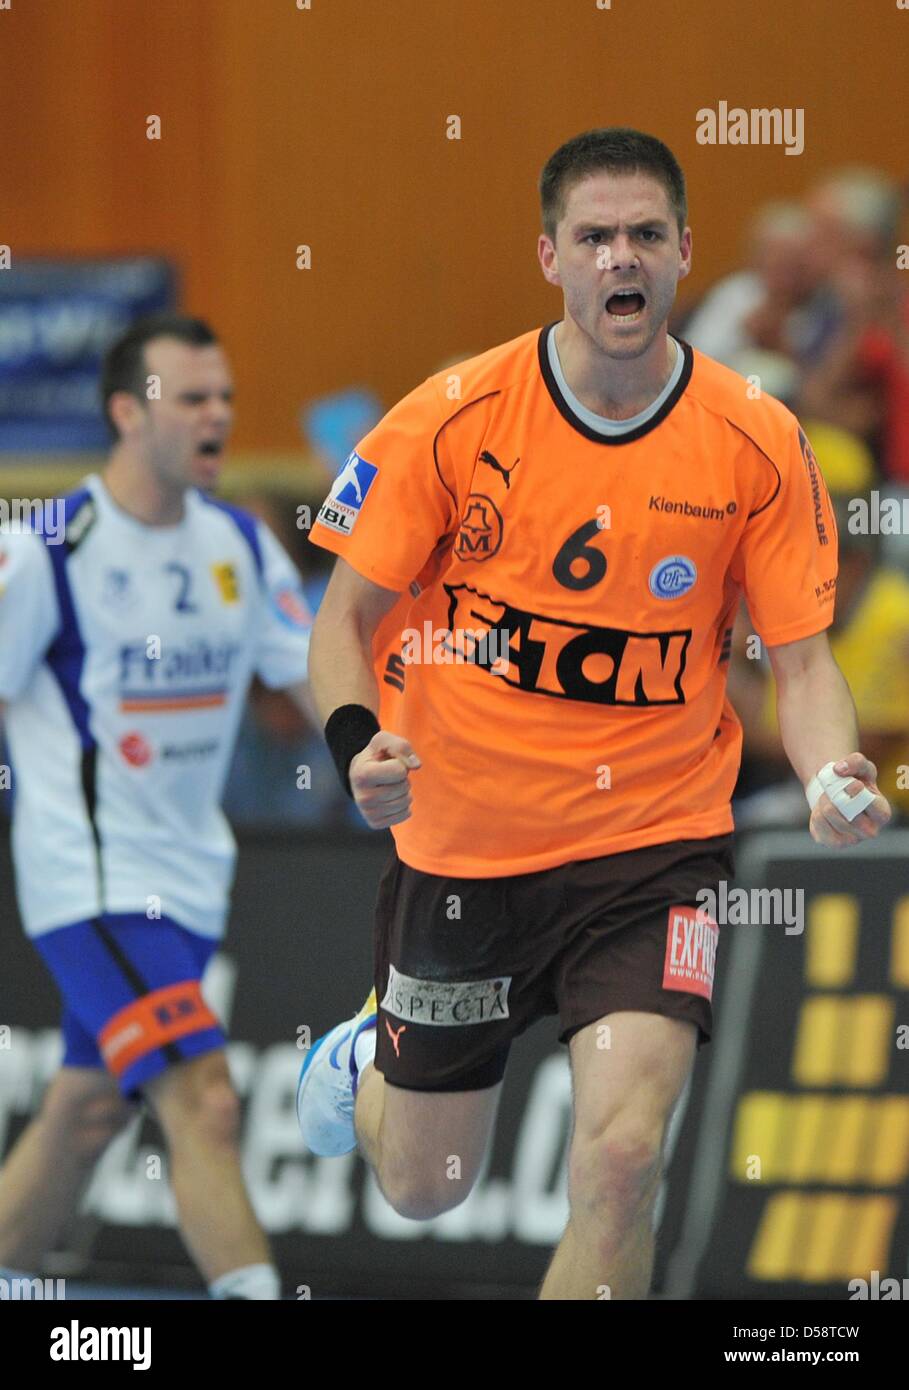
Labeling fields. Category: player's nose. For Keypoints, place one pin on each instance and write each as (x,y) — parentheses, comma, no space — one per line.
(623,253)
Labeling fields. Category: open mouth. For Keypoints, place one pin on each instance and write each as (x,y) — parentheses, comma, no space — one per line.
(625,305)
(211,447)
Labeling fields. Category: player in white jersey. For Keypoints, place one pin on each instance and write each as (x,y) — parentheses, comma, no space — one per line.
(133,616)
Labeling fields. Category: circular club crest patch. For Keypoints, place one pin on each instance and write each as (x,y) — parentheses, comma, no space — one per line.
(480,530)
(672,577)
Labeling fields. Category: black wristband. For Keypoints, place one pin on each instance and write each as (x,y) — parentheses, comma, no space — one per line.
(347,732)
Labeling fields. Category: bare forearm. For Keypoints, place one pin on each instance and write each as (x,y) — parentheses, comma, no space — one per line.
(340,665)
(817,718)
(378,764)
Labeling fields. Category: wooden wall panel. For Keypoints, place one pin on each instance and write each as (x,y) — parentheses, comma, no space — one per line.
(327,126)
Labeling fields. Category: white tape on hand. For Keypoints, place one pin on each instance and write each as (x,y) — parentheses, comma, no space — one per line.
(835,786)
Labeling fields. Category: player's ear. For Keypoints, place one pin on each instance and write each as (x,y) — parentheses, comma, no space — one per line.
(549,260)
(685,253)
(126,411)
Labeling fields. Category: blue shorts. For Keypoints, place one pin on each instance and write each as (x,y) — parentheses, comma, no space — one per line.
(132,1002)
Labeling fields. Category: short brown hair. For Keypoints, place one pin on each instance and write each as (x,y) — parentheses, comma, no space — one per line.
(617,150)
(123,368)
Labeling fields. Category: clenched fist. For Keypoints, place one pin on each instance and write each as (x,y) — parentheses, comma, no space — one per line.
(829,827)
(380,780)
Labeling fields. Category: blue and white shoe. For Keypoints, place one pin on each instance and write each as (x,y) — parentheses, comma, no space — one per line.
(327,1087)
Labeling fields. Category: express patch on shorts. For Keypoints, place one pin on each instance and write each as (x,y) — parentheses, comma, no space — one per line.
(691,941)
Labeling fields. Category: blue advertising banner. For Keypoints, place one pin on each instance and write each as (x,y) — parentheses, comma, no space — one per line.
(57,317)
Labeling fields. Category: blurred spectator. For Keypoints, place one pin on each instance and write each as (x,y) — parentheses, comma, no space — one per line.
(870,643)
(855,214)
(774,373)
(860,379)
(774,306)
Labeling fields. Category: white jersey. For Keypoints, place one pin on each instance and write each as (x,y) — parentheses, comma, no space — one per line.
(126,652)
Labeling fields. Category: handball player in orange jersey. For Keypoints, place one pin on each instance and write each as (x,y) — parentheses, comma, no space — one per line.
(521,661)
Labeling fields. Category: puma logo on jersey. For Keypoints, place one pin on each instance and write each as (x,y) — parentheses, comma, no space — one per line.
(395,1036)
(546,655)
(487,457)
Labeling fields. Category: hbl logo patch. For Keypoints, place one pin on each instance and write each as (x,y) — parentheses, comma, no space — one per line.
(342,506)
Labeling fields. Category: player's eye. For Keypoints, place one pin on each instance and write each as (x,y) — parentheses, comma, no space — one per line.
(592,234)
(650,234)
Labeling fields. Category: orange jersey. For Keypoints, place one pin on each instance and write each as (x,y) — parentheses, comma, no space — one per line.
(561,671)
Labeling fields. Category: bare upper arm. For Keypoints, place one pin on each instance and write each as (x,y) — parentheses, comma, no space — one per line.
(350,596)
(795,658)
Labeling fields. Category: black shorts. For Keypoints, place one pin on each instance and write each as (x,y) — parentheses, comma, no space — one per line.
(464,965)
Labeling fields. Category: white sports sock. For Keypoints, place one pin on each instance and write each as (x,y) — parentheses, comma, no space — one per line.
(365,1049)
(252,1281)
